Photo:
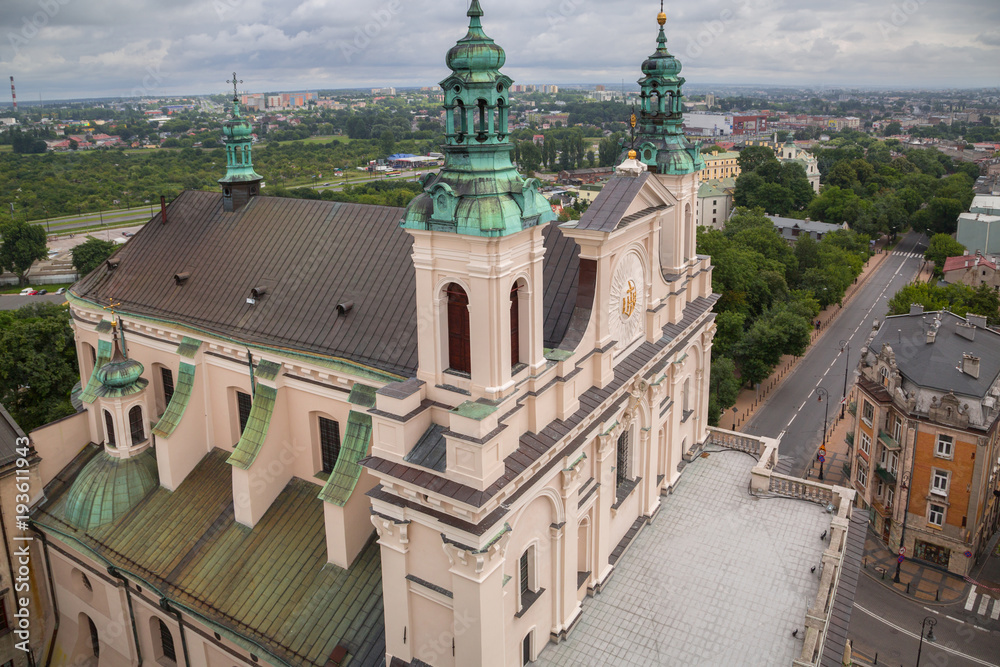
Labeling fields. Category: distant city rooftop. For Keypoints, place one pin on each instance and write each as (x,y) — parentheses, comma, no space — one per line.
(719,578)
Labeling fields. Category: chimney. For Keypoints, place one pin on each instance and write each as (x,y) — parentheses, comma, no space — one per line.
(966,331)
(976,320)
(163,210)
(916,309)
(932,333)
(970,365)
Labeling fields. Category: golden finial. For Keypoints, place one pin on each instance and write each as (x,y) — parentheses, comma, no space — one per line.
(633,120)
(111,307)
(662,18)
(632,155)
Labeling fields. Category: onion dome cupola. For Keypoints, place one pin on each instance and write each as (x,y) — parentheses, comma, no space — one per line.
(121,376)
(660,140)
(478,191)
(241,182)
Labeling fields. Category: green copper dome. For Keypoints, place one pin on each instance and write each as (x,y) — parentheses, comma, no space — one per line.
(478,191)
(108,487)
(660,140)
(121,376)
(237,127)
(475,53)
(239,149)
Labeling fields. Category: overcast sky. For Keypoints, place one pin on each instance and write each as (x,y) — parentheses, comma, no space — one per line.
(81,48)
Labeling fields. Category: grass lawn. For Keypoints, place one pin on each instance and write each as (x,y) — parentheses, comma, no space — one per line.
(6,149)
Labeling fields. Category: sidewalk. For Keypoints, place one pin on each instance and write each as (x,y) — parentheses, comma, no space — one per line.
(751,400)
(918,582)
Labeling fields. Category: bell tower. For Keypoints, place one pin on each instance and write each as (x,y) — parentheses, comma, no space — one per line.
(241,182)
(662,146)
(477,230)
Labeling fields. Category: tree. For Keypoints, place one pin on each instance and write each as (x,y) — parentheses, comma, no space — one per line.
(752,157)
(892,129)
(22,246)
(940,216)
(37,364)
(91,254)
(715,147)
(724,388)
(941,247)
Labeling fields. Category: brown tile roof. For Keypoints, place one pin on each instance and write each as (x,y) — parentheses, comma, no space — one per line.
(309,256)
(610,206)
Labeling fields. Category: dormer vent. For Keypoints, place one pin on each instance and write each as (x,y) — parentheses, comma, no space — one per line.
(181,278)
(344,308)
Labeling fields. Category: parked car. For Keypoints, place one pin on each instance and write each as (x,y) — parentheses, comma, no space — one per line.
(27,291)
(61,290)
(42,292)
(128,234)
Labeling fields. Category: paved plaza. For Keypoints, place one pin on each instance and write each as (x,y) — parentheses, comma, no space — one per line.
(718,578)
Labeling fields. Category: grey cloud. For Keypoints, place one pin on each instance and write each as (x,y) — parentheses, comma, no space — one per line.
(117,47)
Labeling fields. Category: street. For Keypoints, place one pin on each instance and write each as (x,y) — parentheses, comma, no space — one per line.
(888,625)
(795,410)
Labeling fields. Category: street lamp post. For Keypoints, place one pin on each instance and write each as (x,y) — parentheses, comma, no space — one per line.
(929,624)
(823,394)
(845,345)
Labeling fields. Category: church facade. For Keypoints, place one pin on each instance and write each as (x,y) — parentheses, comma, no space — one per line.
(321,433)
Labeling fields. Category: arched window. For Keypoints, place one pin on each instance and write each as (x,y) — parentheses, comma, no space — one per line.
(95,641)
(459,340)
(109,428)
(463,120)
(483,127)
(515,332)
(687,396)
(136,426)
(166,642)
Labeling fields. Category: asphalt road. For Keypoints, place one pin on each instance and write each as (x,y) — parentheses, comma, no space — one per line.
(15,301)
(795,409)
(887,624)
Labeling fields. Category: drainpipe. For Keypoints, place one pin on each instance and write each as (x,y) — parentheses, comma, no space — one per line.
(52,590)
(113,571)
(906,506)
(165,606)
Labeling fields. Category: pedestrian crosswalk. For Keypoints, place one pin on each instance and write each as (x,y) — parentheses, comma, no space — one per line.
(909,255)
(989,607)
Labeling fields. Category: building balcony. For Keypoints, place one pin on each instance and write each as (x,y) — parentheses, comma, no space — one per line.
(853,408)
(887,440)
(850,439)
(847,469)
(885,475)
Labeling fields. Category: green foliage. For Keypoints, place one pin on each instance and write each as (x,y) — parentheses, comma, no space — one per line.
(37,364)
(752,157)
(958,299)
(22,245)
(724,388)
(941,247)
(380,193)
(706,150)
(777,188)
(90,254)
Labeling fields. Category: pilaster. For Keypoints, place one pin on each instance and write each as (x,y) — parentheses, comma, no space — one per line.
(393,538)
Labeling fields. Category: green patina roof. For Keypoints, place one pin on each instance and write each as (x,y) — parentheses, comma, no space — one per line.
(347,472)
(474,410)
(89,394)
(108,487)
(270,584)
(104,326)
(267,370)
(478,191)
(363,395)
(256,429)
(188,347)
(178,402)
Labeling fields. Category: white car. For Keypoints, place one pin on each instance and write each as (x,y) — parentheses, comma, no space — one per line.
(28,291)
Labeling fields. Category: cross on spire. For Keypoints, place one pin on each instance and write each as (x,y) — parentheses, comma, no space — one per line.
(236,82)
(111,307)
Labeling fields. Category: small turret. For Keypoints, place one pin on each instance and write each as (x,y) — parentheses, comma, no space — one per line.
(241,182)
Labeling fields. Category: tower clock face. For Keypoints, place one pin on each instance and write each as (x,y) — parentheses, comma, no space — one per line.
(627,300)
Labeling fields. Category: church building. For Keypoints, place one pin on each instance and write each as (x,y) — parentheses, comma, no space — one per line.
(321,433)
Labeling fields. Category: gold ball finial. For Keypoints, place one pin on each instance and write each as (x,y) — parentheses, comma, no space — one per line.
(662,18)
(632,155)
